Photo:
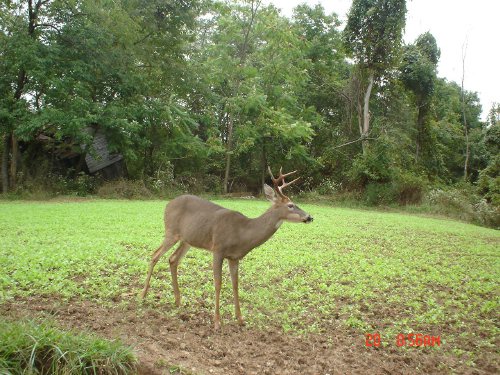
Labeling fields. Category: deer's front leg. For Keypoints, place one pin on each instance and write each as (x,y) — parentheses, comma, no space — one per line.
(217,266)
(233,269)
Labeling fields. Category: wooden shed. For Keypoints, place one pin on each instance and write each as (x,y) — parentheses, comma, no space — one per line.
(100,159)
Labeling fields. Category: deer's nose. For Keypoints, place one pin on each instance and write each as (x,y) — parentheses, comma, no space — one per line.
(308,219)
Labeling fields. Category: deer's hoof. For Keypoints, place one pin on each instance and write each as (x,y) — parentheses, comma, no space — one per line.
(241,322)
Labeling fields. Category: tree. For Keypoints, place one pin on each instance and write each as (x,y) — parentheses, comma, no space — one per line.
(446,129)
(373,36)
(20,40)
(418,73)
(118,66)
(325,89)
(250,91)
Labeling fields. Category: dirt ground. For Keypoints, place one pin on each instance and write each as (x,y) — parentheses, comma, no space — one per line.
(189,344)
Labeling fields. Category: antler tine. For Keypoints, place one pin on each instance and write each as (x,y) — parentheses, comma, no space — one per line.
(276,182)
(285,184)
(288,174)
(281,178)
(270,172)
(281,175)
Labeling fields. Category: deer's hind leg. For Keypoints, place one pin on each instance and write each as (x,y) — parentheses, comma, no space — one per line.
(174,261)
(217,268)
(233,269)
(167,243)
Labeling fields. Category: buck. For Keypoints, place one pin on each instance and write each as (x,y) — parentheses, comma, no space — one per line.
(228,234)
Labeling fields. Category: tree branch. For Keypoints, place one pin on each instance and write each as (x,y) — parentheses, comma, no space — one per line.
(48,25)
(351,142)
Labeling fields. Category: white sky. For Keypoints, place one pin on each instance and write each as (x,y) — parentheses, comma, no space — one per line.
(453,23)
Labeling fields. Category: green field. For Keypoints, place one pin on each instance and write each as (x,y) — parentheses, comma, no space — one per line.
(351,269)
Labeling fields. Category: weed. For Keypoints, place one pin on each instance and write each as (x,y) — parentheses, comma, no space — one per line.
(31,347)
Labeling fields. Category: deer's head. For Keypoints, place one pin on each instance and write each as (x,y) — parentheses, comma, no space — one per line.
(288,210)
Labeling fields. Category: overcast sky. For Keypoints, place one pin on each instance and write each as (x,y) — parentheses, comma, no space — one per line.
(453,23)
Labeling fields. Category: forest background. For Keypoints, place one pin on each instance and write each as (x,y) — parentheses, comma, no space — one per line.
(201,96)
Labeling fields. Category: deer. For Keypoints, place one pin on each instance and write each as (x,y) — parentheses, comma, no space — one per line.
(196,222)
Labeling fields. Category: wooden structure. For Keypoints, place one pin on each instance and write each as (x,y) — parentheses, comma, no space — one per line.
(100,159)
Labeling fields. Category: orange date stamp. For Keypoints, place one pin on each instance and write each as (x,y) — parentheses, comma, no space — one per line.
(410,340)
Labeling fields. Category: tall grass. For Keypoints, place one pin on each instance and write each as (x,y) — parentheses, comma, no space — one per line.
(28,347)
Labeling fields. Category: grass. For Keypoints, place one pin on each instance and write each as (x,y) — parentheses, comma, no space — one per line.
(357,270)
(29,347)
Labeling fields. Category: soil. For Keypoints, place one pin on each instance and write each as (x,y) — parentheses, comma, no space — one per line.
(188,344)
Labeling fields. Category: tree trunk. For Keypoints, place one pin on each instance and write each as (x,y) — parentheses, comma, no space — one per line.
(5,163)
(13,161)
(243,57)
(263,165)
(422,112)
(229,148)
(366,113)
(466,131)
(11,143)
(467,151)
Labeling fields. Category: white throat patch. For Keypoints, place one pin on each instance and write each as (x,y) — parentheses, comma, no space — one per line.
(278,224)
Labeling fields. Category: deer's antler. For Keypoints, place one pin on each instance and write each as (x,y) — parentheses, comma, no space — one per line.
(281,178)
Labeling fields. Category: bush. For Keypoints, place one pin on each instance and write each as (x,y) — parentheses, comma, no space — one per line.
(376,194)
(464,203)
(162,183)
(404,189)
(374,166)
(329,187)
(127,189)
(409,188)
(31,348)
(452,202)
(489,182)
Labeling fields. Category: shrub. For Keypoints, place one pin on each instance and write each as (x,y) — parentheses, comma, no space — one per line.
(452,202)
(489,182)
(409,188)
(376,194)
(328,187)
(404,189)
(162,182)
(464,203)
(374,166)
(127,189)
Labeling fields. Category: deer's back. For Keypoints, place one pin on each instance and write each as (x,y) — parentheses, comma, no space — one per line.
(193,219)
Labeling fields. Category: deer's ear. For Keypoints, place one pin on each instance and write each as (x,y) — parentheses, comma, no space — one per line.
(270,193)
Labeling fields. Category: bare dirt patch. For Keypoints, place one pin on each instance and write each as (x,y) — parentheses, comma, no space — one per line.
(189,342)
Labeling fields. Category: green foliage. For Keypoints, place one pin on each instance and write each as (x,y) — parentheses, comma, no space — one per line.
(183,89)
(418,71)
(28,347)
(489,181)
(374,166)
(127,189)
(100,65)
(405,188)
(410,188)
(426,43)
(488,153)
(374,32)
(379,193)
(464,203)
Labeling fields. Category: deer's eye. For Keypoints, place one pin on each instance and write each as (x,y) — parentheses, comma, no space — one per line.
(290,205)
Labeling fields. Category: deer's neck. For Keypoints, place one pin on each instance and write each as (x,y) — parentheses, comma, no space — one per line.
(260,229)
